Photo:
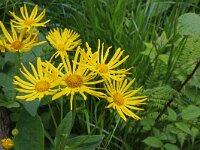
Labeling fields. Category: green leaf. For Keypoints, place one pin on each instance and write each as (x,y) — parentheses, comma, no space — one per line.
(171,114)
(171,147)
(2,62)
(191,112)
(184,127)
(188,24)
(194,133)
(31,106)
(10,57)
(9,104)
(31,133)
(63,131)
(164,58)
(153,142)
(84,142)
(8,88)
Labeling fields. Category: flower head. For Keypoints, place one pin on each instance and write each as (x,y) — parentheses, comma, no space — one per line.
(37,85)
(17,42)
(76,79)
(28,21)
(63,40)
(122,99)
(98,62)
(7,143)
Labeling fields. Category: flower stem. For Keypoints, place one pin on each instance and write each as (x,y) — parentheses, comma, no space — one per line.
(112,133)
(53,118)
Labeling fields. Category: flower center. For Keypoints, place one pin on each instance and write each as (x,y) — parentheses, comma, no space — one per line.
(42,86)
(28,21)
(118,99)
(74,81)
(102,68)
(17,45)
(61,47)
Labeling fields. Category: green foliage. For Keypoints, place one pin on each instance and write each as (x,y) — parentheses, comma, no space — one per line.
(63,131)
(84,142)
(153,142)
(189,24)
(190,112)
(31,126)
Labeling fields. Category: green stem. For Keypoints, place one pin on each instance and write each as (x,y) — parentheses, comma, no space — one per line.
(112,133)
(61,109)
(53,118)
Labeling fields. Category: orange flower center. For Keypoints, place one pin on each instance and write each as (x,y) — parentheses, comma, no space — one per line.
(17,45)
(28,21)
(118,99)
(102,68)
(74,81)
(61,47)
(42,86)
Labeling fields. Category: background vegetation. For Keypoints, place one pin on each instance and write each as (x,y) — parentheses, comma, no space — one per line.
(162,39)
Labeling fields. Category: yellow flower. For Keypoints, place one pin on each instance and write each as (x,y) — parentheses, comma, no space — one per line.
(28,21)
(76,79)
(63,40)
(7,143)
(37,85)
(16,42)
(122,99)
(98,62)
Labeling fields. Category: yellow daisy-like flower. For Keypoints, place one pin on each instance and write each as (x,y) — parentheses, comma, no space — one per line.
(28,21)
(122,99)
(7,143)
(63,40)
(16,42)
(37,85)
(98,62)
(76,79)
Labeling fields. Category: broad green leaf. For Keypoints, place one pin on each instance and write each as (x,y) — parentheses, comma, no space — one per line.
(153,142)
(184,127)
(31,133)
(164,58)
(188,24)
(171,114)
(31,106)
(171,147)
(84,142)
(190,112)
(63,131)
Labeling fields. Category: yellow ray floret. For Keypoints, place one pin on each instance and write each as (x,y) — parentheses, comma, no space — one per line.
(42,81)
(28,21)
(122,99)
(17,42)
(7,143)
(63,40)
(76,79)
(2,46)
(103,64)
